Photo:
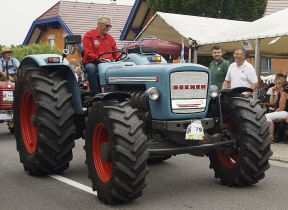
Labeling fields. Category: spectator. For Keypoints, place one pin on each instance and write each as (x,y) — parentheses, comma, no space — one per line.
(96,42)
(240,73)
(261,91)
(281,98)
(76,69)
(269,91)
(218,67)
(8,65)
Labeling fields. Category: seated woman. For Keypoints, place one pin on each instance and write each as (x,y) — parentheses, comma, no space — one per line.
(281,100)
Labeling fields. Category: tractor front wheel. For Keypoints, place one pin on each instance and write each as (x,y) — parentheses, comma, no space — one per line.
(116,151)
(245,163)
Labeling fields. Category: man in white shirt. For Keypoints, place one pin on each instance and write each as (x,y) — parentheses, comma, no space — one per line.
(240,73)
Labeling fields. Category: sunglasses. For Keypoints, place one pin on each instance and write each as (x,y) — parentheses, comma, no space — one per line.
(107,25)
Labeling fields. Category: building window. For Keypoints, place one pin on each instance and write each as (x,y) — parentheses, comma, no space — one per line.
(51,40)
(266,65)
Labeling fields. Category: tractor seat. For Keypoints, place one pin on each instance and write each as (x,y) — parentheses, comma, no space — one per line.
(146,50)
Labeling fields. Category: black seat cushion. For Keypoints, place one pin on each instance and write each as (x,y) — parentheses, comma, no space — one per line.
(147,50)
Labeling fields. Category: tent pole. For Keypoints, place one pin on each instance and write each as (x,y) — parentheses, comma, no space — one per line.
(257,62)
(195,56)
(257,57)
(189,55)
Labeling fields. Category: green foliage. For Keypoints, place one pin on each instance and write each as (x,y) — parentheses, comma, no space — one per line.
(21,51)
(246,10)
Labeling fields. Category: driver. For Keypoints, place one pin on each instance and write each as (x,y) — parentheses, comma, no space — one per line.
(95,43)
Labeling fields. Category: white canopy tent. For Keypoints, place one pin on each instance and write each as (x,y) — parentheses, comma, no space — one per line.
(272,30)
(174,27)
(227,33)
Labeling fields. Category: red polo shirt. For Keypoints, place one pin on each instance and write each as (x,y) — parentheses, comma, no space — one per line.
(94,45)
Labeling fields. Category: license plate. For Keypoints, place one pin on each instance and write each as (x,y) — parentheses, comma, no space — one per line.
(195,131)
(8,96)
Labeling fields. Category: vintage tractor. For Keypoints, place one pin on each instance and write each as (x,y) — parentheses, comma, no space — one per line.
(148,110)
(6,101)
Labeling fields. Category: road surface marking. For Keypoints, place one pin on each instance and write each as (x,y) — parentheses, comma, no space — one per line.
(74,184)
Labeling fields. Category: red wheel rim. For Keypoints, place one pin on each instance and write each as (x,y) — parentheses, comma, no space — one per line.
(229,160)
(29,132)
(103,168)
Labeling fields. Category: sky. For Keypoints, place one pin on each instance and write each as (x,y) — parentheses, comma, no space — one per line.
(18,15)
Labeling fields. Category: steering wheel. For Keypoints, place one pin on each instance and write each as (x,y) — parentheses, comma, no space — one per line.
(122,56)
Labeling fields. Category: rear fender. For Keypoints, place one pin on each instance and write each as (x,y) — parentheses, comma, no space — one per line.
(41,60)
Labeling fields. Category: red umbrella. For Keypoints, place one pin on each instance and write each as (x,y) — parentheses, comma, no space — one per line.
(163,47)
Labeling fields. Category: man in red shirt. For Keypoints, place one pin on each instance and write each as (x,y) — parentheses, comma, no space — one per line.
(96,42)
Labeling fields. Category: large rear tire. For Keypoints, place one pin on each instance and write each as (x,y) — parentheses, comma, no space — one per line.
(116,151)
(246,163)
(43,118)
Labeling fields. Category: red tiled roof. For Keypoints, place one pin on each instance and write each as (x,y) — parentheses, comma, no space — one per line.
(275,6)
(81,17)
(52,12)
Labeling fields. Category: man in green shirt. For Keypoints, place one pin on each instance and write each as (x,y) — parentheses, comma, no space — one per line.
(218,67)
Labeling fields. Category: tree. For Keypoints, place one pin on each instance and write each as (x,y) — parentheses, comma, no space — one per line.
(245,10)
(21,51)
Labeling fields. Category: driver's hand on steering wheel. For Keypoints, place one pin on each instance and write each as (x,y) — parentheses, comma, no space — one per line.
(104,60)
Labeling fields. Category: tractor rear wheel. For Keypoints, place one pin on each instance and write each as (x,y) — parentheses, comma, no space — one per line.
(246,163)
(116,151)
(43,117)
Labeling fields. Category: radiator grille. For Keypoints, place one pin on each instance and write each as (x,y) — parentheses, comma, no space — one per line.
(188,91)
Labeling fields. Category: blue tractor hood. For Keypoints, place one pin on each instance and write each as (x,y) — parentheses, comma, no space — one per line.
(151,75)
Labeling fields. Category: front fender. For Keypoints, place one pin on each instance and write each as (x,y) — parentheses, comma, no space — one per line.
(224,94)
(120,96)
(234,91)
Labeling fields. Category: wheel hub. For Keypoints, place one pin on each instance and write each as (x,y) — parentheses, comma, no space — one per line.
(230,156)
(33,120)
(105,152)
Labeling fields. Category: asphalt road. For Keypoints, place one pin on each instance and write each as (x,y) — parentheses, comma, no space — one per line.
(183,182)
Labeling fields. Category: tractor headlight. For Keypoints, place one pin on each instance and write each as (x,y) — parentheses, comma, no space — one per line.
(153,93)
(214,91)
